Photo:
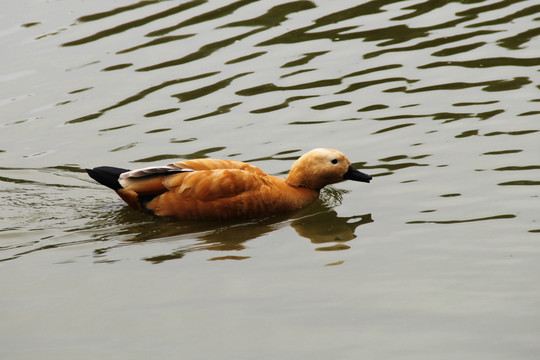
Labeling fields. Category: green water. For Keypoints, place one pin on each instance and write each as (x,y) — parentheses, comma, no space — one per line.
(436,258)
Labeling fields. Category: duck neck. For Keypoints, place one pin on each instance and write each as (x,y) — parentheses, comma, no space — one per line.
(301,182)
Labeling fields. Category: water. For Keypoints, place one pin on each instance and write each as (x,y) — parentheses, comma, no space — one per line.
(437,258)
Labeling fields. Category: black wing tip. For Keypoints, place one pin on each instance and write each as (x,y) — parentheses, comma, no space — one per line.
(107,175)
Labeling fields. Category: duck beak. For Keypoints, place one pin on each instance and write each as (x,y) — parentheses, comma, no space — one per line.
(353,174)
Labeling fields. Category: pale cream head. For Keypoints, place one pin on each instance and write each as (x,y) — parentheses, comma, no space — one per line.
(318,168)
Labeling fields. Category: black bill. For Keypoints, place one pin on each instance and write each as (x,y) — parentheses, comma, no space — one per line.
(353,174)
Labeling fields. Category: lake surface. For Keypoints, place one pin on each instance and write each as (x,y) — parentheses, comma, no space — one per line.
(437,258)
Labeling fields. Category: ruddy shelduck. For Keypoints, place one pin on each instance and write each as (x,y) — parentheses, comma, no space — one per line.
(226,189)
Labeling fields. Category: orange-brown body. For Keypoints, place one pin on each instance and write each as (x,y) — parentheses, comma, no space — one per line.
(224,189)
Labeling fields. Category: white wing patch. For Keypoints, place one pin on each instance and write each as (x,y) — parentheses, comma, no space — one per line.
(152,170)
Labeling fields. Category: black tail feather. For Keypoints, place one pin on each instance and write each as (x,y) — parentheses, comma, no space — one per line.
(107,175)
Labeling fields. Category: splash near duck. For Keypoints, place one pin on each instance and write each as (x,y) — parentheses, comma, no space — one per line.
(226,189)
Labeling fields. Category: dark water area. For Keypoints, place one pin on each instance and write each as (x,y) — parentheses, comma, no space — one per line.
(436,258)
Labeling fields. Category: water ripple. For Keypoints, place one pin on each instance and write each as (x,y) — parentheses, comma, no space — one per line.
(459,221)
(453,81)
(129,25)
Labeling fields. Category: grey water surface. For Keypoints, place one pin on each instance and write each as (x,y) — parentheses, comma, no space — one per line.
(437,258)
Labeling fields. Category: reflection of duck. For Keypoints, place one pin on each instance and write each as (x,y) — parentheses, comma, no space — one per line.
(317,222)
(225,189)
(327,227)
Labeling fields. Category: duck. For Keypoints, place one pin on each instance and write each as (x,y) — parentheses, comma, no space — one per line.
(215,189)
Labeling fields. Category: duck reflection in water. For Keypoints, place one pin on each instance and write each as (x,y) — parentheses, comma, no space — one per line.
(317,222)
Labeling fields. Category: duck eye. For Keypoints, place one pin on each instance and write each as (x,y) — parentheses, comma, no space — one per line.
(334,161)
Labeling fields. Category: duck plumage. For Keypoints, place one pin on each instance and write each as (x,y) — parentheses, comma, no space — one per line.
(226,189)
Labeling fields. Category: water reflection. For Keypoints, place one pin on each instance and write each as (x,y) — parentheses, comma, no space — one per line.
(325,228)
(317,222)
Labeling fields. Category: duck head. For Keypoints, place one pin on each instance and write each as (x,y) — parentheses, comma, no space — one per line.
(321,167)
